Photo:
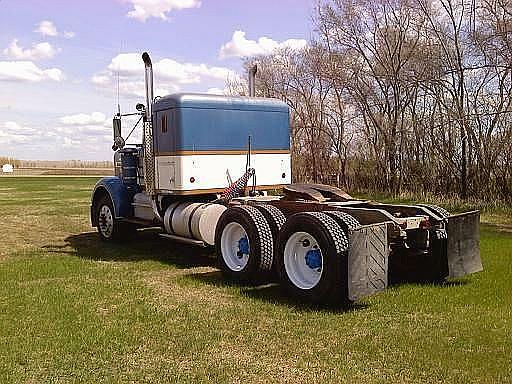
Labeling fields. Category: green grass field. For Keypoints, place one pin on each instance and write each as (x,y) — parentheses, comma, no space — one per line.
(74,309)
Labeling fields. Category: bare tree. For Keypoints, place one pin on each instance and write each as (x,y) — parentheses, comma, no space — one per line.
(395,95)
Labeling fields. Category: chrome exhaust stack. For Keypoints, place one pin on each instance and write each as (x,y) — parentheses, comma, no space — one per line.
(149,154)
(148,80)
(252,80)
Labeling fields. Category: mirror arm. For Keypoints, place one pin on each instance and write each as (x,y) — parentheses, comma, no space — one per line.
(131,114)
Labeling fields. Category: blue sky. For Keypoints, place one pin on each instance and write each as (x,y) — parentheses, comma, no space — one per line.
(60,60)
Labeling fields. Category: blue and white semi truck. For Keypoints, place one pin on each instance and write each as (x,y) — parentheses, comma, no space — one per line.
(201,175)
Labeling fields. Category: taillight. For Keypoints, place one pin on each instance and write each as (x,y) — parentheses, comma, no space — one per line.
(424,224)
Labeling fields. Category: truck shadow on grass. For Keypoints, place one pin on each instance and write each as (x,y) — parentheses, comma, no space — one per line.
(148,246)
(145,245)
(268,290)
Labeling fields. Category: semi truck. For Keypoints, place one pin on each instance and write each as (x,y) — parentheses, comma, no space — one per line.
(203,174)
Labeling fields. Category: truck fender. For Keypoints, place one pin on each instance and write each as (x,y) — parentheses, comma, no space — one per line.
(120,196)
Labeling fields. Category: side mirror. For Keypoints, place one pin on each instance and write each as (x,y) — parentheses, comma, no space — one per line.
(118,139)
(116,124)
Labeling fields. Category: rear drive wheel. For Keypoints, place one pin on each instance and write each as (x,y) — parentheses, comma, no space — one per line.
(344,220)
(244,243)
(275,219)
(312,258)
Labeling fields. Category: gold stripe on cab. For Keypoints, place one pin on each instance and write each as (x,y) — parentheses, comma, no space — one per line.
(226,152)
(217,190)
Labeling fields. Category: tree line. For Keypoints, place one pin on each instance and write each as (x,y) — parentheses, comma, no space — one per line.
(9,160)
(400,95)
(17,163)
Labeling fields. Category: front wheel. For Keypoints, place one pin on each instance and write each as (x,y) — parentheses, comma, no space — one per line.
(109,227)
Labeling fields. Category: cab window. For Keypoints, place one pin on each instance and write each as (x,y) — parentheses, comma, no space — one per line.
(163,123)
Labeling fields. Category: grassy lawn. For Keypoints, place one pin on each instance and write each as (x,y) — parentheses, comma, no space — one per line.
(73,309)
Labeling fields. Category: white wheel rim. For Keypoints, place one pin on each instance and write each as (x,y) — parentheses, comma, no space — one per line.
(303,260)
(106,221)
(235,247)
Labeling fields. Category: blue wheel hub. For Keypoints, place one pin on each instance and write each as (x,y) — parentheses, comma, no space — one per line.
(243,247)
(313,259)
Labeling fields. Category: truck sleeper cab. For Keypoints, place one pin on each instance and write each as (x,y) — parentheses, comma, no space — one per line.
(202,141)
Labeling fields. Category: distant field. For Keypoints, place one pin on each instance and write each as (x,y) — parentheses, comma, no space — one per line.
(74,309)
(42,171)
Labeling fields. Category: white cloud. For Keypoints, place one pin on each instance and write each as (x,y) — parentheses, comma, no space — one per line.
(144,9)
(127,64)
(55,141)
(70,143)
(100,79)
(216,91)
(95,123)
(83,119)
(13,133)
(170,75)
(187,73)
(15,128)
(85,125)
(28,71)
(37,52)
(240,46)
(47,28)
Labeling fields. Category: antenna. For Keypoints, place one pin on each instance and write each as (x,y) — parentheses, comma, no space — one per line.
(117,73)
(118,104)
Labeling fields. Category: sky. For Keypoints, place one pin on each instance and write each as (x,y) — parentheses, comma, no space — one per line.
(61,62)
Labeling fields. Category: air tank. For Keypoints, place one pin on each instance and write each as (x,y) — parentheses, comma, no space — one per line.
(193,220)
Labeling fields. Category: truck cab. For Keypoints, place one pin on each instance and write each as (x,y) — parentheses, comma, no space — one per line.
(202,174)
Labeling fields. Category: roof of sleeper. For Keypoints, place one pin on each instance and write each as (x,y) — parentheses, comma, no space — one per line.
(206,101)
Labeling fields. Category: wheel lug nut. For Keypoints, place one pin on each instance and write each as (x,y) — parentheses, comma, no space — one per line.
(305,243)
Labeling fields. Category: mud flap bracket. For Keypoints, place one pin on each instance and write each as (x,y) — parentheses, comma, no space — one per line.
(367,260)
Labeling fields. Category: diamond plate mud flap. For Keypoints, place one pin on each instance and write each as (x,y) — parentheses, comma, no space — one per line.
(463,244)
(367,260)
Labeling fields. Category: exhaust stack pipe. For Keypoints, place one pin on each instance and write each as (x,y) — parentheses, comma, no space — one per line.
(149,155)
(252,80)
(149,84)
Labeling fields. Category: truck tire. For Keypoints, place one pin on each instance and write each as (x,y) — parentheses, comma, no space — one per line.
(275,219)
(312,258)
(244,244)
(440,211)
(344,220)
(109,227)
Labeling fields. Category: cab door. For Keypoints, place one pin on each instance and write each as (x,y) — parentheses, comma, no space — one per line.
(164,142)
